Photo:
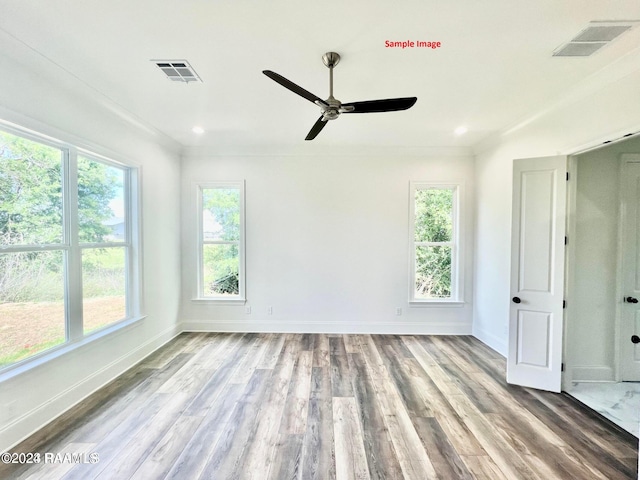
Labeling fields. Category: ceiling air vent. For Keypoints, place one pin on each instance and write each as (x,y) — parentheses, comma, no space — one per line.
(592,38)
(178,70)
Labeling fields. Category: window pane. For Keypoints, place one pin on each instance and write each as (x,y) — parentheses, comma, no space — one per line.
(101,208)
(221,265)
(30,192)
(221,214)
(31,304)
(433,272)
(103,287)
(434,215)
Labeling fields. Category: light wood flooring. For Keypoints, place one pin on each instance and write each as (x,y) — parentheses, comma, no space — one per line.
(308,406)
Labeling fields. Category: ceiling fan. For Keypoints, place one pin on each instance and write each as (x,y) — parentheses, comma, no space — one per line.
(331,107)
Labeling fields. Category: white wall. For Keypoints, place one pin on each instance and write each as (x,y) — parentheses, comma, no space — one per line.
(327,241)
(53,102)
(596,112)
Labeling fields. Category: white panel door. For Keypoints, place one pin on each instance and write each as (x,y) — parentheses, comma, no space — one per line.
(630,318)
(537,272)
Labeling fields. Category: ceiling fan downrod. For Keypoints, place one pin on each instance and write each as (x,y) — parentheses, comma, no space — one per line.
(331,59)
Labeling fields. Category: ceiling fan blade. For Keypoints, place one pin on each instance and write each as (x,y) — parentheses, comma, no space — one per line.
(294,88)
(316,129)
(387,105)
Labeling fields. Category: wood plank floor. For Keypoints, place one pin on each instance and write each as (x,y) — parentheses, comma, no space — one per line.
(313,406)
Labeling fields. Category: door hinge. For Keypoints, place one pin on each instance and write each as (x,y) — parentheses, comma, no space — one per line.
(567,176)
(566,240)
(562,367)
(564,304)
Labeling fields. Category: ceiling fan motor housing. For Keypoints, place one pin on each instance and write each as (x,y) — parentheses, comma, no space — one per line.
(331,112)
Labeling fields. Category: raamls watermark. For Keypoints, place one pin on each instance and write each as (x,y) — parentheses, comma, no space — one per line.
(50,458)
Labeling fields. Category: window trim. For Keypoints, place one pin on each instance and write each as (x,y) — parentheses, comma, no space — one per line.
(70,247)
(457,294)
(198,295)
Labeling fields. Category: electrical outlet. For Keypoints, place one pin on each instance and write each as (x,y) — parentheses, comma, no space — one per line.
(270,310)
(398,311)
(247,310)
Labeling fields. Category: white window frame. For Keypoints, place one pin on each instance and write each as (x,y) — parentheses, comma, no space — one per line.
(72,250)
(455,244)
(199,294)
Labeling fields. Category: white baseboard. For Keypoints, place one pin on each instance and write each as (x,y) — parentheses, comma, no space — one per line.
(492,340)
(592,373)
(395,328)
(30,422)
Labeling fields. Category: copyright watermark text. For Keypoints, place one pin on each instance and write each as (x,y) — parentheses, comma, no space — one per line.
(49,457)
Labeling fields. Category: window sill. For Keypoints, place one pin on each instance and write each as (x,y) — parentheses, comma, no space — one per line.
(437,303)
(47,356)
(220,300)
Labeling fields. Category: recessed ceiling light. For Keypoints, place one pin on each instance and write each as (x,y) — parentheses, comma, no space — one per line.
(460,130)
(197,129)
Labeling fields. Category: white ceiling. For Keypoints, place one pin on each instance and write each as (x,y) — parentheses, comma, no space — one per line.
(494,70)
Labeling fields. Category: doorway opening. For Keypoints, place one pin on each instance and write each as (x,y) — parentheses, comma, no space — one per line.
(602,364)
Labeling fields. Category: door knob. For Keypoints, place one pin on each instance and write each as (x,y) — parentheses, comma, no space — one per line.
(631,300)
(517,300)
(635,339)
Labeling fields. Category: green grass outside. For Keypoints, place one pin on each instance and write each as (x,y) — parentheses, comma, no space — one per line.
(28,352)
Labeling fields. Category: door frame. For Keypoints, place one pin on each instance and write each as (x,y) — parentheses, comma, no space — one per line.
(569,267)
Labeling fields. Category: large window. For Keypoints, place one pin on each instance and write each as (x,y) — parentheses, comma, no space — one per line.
(434,234)
(67,247)
(221,241)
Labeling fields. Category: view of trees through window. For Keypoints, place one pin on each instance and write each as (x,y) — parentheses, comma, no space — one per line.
(221,241)
(35,250)
(101,233)
(434,242)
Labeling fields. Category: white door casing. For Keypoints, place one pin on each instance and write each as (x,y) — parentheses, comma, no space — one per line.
(537,273)
(630,266)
